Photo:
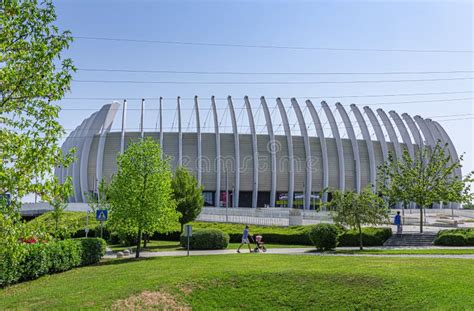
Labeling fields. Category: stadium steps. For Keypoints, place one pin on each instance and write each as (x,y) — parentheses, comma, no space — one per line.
(411,239)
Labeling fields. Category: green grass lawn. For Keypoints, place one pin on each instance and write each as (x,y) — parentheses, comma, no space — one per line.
(444,251)
(165,246)
(256,282)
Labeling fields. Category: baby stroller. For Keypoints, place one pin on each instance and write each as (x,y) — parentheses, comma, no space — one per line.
(259,244)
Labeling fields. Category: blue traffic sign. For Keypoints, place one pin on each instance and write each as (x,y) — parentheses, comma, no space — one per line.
(101,214)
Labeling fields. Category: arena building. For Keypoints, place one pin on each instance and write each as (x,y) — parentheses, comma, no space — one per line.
(330,148)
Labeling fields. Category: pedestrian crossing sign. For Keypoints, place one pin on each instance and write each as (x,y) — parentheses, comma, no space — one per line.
(101,215)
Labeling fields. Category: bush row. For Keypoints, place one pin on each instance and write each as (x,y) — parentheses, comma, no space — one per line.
(455,237)
(35,260)
(206,239)
(371,236)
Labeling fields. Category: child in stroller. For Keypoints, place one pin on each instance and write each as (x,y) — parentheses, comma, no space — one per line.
(259,244)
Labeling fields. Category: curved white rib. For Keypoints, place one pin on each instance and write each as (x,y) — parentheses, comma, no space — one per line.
(403,132)
(218,153)
(124,120)
(199,141)
(236,192)
(369,144)
(109,120)
(255,151)
(429,139)
(378,132)
(76,167)
(271,136)
(307,148)
(391,133)
(180,135)
(355,145)
(84,156)
(291,162)
(340,150)
(324,149)
(413,129)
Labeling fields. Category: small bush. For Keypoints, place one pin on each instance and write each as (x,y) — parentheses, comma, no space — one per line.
(370,237)
(470,238)
(36,261)
(451,239)
(206,239)
(64,255)
(323,236)
(93,249)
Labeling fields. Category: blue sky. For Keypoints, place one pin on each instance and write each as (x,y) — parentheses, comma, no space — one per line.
(416,25)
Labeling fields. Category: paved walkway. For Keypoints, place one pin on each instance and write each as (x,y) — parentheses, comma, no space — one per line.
(305,251)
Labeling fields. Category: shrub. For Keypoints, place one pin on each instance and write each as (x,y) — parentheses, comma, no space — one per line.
(35,260)
(470,238)
(323,236)
(370,237)
(206,239)
(451,239)
(93,249)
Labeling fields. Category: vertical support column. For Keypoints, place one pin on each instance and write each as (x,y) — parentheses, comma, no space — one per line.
(180,135)
(324,149)
(307,149)
(391,133)
(142,112)
(235,194)
(403,132)
(218,152)
(378,132)
(291,162)
(271,136)
(199,141)
(124,120)
(254,150)
(161,126)
(340,150)
(368,143)
(355,145)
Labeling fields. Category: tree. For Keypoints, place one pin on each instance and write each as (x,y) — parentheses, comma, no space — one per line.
(32,76)
(427,179)
(187,195)
(96,200)
(354,209)
(60,193)
(140,194)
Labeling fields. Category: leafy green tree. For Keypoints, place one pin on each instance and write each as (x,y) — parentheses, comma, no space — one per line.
(60,194)
(187,195)
(354,209)
(33,75)
(140,194)
(427,179)
(101,198)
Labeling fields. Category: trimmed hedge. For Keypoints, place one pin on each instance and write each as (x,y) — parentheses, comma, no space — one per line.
(323,236)
(455,237)
(370,237)
(206,239)
(45,258)
(93,249)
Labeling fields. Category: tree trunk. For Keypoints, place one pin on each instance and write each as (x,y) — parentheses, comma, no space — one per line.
(137,252)
(182,226)
(421,219)
(145,239)
(361,246)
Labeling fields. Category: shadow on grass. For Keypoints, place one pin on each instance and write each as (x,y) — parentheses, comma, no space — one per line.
(119,261)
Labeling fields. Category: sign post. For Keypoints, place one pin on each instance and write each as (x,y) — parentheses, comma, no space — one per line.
(188,232)
(101,215)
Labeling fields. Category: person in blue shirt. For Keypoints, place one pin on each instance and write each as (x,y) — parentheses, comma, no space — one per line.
(245,239)
(398,222)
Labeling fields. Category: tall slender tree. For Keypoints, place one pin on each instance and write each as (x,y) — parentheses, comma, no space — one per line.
(140,194)
(188,196)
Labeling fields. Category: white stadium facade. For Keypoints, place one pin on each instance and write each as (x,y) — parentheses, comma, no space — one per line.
(334,147)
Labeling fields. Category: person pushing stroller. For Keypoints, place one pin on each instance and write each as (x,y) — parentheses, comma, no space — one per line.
(259,244)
